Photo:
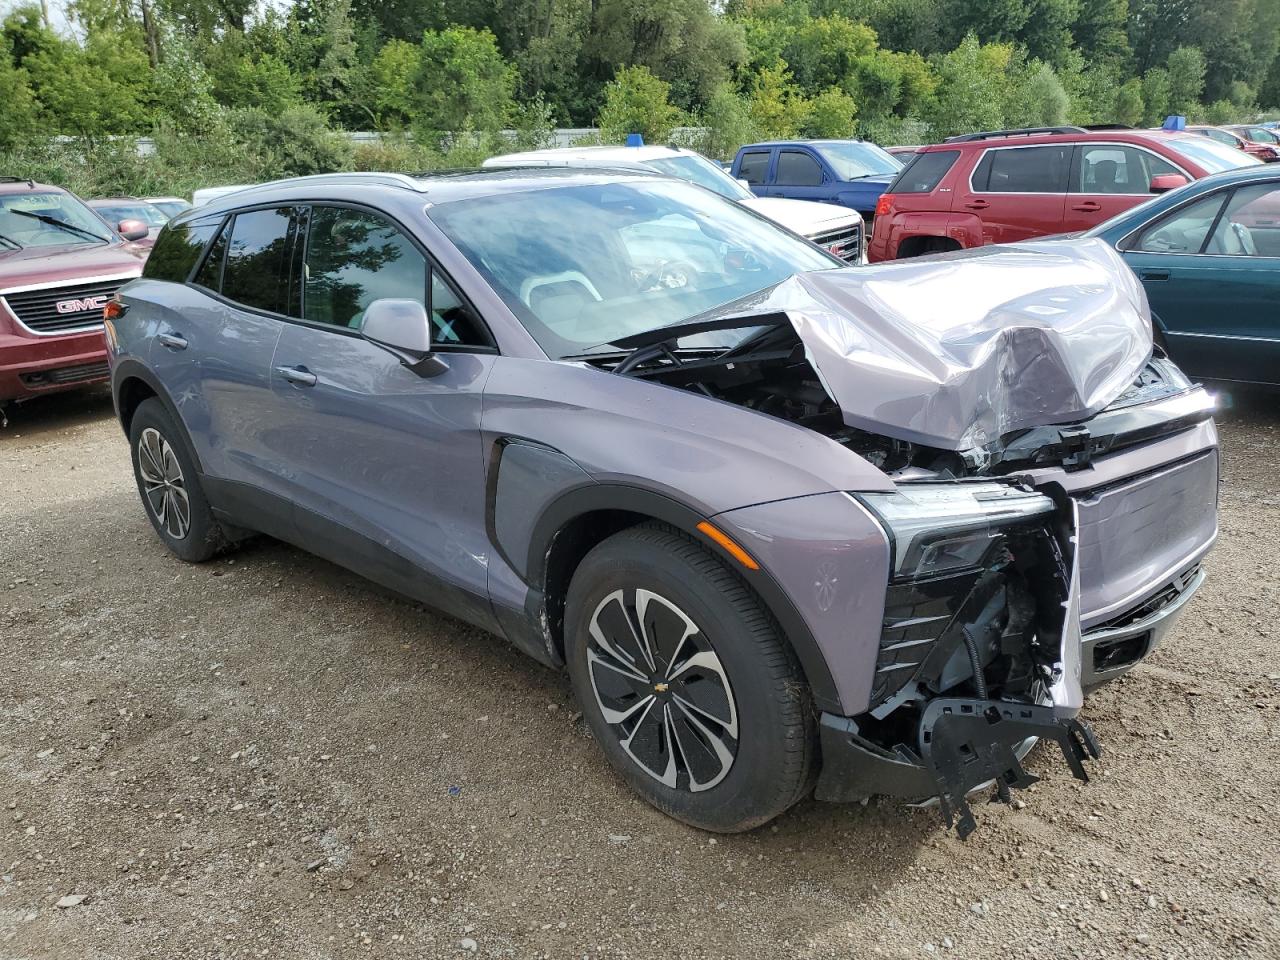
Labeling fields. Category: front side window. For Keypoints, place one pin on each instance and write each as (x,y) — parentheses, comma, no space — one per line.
(1184,230)
(48,219)
(797,169)
(1250,225)
(754,167)
(1210,155)
(1222,136)
(1024,170)
(257,269)
(353,258)
(177,249)
(148,213)
(1117,169)
(642,254)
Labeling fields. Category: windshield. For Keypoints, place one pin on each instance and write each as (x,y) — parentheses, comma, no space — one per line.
(148,213)
(1215,157)
(171,207)
(641,254)
(698,169)
(854,159)
(48,220)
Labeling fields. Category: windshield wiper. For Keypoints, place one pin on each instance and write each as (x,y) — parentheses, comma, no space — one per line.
(653,344)
(13,244)
(61,224)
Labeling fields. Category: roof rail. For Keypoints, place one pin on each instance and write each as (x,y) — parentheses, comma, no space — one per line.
(391,179)
(1020,132)
(1108,126)
(27,180)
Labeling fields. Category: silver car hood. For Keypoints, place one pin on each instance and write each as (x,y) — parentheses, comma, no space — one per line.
(955,351)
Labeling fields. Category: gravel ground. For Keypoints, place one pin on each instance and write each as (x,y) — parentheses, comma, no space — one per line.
(265,756)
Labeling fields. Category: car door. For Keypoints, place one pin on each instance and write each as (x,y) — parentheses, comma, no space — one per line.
(1017,192)
(214,353)
(1211,271)
(385,463)
(1109,178)
(798,175)
(753,169)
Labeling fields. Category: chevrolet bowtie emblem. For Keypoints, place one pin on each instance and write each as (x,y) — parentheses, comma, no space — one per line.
(660,688)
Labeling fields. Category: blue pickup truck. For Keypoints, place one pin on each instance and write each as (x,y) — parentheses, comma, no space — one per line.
(852,173)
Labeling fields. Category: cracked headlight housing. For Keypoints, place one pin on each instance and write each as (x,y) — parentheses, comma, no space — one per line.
(940,528)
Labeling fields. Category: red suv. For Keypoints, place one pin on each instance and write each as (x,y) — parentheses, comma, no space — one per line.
(1010,185)
(59,265)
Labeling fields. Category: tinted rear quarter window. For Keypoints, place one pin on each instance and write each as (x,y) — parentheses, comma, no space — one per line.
(177,249)
(256,272)
(1024,170)
(924,171)
(754,166)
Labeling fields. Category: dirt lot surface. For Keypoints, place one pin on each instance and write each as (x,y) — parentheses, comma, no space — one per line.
(264,756)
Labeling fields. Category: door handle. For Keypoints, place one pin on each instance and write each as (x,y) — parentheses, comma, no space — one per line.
(174,341)
(977,204)
(298,376)
(1088,206)
(1153,274)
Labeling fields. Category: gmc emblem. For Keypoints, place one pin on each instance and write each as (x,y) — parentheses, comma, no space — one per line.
(77,306)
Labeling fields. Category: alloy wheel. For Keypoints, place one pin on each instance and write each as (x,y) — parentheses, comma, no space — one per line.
(662,689)
(163,485)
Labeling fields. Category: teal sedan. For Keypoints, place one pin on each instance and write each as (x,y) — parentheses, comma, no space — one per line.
(1208,255)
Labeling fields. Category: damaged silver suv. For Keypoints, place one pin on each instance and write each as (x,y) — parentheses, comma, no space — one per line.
(784,522)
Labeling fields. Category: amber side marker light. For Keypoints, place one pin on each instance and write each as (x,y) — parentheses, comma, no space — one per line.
(729,546)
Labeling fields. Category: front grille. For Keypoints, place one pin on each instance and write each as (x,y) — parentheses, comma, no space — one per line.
(845,243)
(63,375)
(55,309)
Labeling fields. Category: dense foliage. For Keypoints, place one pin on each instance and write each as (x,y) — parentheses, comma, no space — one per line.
(244,89)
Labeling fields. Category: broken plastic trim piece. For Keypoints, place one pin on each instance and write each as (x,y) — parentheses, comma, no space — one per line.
(965,743)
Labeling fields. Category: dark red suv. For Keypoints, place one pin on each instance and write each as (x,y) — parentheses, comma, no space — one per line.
(59,265)
(1010,185)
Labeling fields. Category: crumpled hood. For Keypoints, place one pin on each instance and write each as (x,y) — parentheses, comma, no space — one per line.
(957,350)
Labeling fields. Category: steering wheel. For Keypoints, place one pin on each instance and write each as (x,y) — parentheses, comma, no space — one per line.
(671,275)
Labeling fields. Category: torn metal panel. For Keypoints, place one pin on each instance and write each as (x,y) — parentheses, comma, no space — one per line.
(955,352)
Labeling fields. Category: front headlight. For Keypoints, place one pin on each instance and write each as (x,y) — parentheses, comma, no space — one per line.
(937,528)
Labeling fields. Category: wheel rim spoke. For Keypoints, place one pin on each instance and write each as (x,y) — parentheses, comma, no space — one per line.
(163,485)
(662,689)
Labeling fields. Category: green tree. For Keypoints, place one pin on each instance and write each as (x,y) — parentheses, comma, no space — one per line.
(462,83)
(636,101)
(1129,105)
(831,114)
(18,118)
(726,122)
(973,88)
(1186,68)
(1155,95)
(1039,99)
(393,77)
(777,107)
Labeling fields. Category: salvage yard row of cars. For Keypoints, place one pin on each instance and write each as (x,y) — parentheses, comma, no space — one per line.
(789,522)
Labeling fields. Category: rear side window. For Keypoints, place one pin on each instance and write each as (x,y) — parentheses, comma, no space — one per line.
(1024,170)
(797,169)
(754,167)
(924,171)
(256,272)
(177,249)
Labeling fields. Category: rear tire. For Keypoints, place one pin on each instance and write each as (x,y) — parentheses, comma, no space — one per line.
(169,485)
(686,683)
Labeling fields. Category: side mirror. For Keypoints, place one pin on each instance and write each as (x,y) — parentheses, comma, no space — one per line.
(1164,182)
(132,229)
(403,328)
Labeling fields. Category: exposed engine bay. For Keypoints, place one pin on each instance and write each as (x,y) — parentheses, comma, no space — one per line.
(770,371)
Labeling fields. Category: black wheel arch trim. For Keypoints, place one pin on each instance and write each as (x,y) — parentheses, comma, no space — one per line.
(611,496)
(132,369)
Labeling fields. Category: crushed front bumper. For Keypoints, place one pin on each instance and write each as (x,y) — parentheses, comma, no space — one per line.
(965,743)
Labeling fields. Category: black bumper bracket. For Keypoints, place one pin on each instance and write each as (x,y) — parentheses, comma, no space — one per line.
(965,743)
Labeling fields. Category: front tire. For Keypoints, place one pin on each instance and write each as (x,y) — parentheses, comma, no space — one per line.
(169,485)
(686,683)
